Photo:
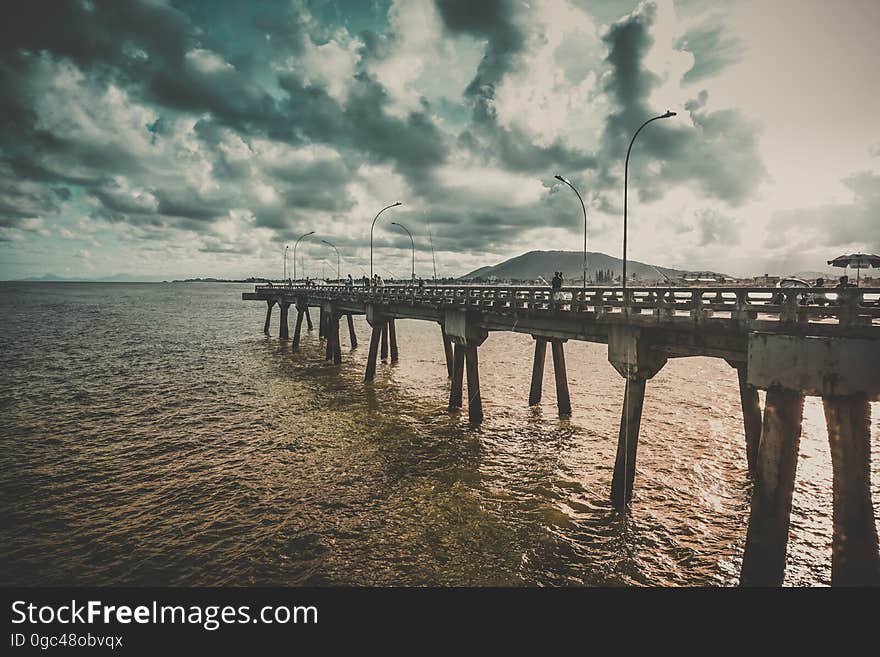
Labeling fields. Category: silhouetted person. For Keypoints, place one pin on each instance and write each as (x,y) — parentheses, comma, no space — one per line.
(843,281)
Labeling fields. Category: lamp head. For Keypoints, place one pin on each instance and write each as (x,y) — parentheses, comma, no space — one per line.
(561,179)
(309,233)
(668,114)
(396,204)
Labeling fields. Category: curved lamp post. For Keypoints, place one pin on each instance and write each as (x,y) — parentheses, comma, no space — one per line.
(584,207)
(294,251)
(394,223)
(625,181)
(373,225)
(337,258)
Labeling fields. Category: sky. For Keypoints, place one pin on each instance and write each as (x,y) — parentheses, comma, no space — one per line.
(184,138)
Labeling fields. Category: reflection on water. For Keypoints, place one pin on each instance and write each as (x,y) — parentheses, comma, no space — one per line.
(152,435)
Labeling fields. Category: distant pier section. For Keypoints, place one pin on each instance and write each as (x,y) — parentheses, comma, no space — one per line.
(790,342)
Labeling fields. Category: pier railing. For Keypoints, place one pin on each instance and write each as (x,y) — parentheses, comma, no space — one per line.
(843,306)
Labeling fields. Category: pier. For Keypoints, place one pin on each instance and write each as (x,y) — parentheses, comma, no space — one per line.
(788,342)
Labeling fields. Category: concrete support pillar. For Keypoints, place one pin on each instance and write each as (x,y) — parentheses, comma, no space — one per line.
(457,377)
(751,410)
(447,349)
(385,340)
(475,401)
(322,327)
(327,322)
(352,336)
(283,331)
(854,556)
(269,303)
(392,338)
(538,371)
(563,400)
(297,331)
(370,374)
(334,348)
(308,319)
(628,442)
(767,536)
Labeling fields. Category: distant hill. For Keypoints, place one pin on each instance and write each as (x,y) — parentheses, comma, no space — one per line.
(531,265)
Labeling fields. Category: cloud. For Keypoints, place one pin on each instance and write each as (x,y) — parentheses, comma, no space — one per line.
(713,152)
(714,50)
(219,132)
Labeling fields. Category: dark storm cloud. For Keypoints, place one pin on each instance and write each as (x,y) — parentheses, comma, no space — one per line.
(510,147)
(718,155)
(713,49)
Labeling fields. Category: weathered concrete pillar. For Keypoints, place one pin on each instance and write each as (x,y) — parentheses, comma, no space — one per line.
(537,386)
(370,374)
(269,303)
(628,442)
(352,336)
(630,352)
(457,377)
(751,410)
(297,330)
(322,323)
(447,350)
(385,340)
(327,322)
(854,555)
(283,331)
(336,351)
(475,401)
(308,319)
(563,400)
(392,338)
(767,537)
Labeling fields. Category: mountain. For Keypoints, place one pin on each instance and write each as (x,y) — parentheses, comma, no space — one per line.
(534,264)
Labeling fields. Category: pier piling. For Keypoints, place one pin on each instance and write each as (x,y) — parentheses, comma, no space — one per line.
(308,319)
(269,303)
(352,336)
(767,536)
(538,370)
(563,400)
(392,338)
(385,340)
(297,331)
(475,401)
(455,391)
(854,556)
(283,331)
(751,410)
(447,350)
(370,374)
(628,442)
(333,338)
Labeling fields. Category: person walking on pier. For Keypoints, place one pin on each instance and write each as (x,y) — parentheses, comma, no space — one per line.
(556,289)
(349,283)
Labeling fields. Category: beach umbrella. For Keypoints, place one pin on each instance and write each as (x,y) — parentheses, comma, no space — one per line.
(858,260)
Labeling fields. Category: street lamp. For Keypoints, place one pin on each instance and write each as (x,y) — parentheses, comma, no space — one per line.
(294,251)
(394,223)
(566,181)
(373,225)
(337,258)
(625,177)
